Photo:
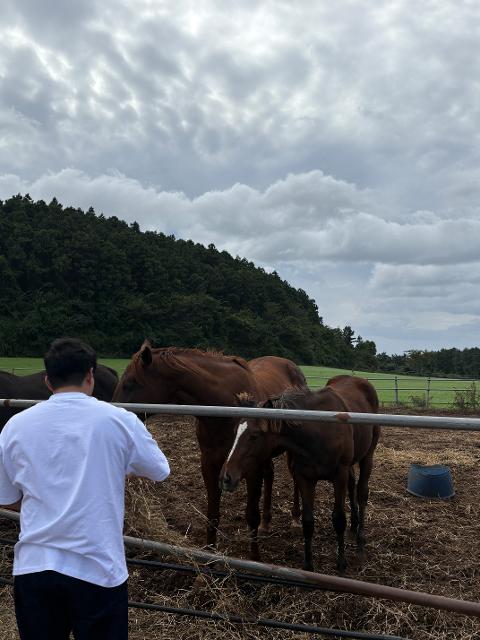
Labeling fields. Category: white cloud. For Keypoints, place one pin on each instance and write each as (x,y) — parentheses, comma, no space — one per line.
(334,142)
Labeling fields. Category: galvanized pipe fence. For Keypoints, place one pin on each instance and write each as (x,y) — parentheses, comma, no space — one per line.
(383,419)
(213,616)
(323,581)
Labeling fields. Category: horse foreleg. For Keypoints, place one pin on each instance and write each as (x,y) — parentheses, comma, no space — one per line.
(362,489)
(352,494)
(307,491)
(267,498)
(339,519)
(211,474)
(296,511)
(252,512)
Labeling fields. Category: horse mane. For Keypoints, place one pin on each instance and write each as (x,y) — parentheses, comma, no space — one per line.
(290,399)
(176,359)
(296,398)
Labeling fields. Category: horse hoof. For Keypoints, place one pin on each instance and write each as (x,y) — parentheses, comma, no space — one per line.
(361,551)
(360,544)
(341,566)
(264,530)
(296,524)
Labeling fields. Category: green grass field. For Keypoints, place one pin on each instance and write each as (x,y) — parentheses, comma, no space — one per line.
(412,390)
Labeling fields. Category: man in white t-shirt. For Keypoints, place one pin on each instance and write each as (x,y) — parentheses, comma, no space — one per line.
(63,464)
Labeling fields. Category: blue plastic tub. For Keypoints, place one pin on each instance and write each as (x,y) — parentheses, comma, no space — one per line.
(433,481)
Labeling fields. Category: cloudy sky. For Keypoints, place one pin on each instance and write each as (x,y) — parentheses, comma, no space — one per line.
(335,142)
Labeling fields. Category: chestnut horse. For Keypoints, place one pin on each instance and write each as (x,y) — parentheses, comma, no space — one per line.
(316,451)
(33,387)
(190,376)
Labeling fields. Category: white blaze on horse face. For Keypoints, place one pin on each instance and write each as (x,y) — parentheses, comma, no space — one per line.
(241,429)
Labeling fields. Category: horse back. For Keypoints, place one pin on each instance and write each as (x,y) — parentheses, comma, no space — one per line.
(274,375)
(359,396)
(31,387)
(358,393)
(106,380)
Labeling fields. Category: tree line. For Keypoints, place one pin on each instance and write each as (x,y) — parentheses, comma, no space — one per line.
(459,363)
(64,271)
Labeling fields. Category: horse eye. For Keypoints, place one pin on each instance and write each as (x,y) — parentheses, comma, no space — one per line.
(254,436)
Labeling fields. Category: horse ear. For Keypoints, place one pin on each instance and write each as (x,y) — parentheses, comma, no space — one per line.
(146,343)
(146,354)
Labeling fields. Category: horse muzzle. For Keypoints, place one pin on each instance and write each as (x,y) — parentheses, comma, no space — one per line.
(227,483)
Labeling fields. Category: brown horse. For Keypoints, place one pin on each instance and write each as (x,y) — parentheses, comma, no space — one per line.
(33,387)
(191,376)
(317,451)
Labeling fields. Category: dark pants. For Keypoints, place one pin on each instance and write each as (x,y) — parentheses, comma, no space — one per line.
(49,605)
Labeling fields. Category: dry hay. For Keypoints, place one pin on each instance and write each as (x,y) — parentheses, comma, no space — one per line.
(423,545)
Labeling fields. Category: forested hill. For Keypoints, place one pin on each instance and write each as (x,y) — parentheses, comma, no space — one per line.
(68,272)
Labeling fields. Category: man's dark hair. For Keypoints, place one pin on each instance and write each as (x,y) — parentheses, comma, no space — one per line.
(68,361)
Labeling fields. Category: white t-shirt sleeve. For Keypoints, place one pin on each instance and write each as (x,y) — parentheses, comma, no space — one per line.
(146,457)
(8,492)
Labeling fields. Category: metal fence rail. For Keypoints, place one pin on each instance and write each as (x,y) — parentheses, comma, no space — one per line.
(329,582)
(256,622)
(383,419)
(249,577)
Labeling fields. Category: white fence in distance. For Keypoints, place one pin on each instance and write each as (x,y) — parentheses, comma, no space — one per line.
(403,385)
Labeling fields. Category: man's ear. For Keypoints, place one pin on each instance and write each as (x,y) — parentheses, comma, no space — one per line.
(47,383)
(90,377)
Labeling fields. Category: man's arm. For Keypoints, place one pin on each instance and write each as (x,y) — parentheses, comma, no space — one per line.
(10,495)
(146,458)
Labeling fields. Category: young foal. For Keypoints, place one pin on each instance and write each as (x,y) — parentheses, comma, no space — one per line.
(317,451)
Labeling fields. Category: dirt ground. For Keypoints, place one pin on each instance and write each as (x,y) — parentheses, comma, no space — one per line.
(424,545)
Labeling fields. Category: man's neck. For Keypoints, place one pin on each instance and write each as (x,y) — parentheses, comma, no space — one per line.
(72,389)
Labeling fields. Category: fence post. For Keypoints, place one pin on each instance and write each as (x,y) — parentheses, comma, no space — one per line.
(427,401)
(396,390)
